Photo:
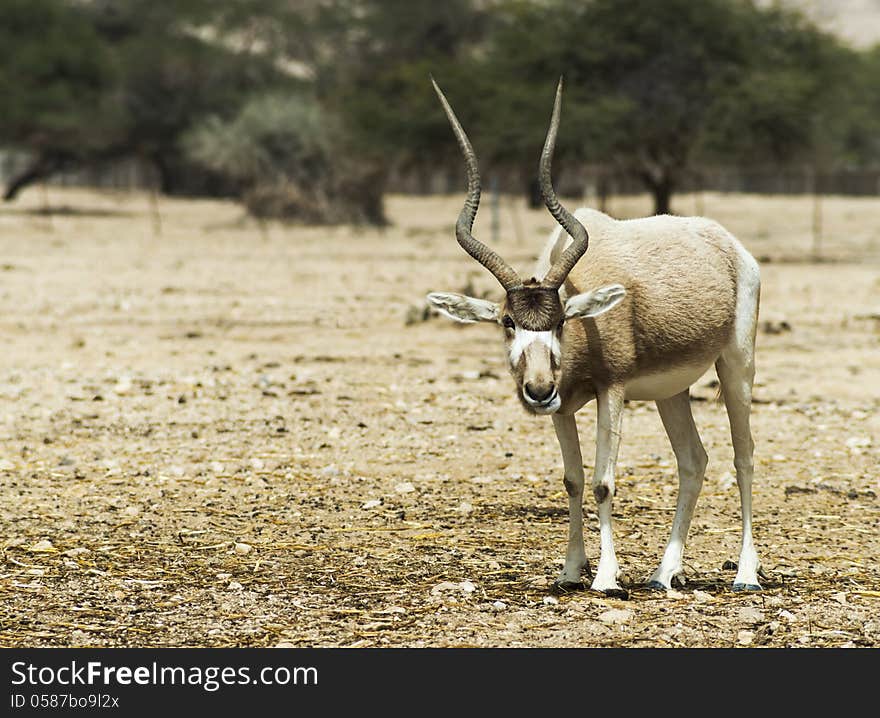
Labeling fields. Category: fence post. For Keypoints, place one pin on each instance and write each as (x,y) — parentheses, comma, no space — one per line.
(154,203)
(815,190)
(496,208)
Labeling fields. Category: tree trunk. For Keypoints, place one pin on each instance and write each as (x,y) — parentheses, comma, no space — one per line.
(41,168)
(166,175)
(534,198)
(604,191)
(660,181)
(662,193)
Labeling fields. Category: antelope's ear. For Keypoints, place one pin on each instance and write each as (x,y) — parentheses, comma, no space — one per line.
(592,304)
(462,308)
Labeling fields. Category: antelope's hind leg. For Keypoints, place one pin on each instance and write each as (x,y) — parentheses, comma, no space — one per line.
(736,372)
(736,387)
(678,420)
(573,466)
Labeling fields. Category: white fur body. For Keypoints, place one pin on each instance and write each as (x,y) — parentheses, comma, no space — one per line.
(668,385)
(665,383)
(650,307)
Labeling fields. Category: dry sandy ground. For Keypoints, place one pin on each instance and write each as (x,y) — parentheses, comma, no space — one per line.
(214,435)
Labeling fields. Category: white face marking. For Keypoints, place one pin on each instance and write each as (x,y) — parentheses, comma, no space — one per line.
(523,338)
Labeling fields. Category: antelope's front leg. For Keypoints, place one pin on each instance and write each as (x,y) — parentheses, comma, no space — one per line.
(610,412)
(573,466)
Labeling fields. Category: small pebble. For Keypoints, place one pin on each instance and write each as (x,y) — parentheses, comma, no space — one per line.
(448,586)
(750,614)
(400,610)
(616,616)
(243,548)
(745,638)
(443,587)
(74,552)
(858,442)
(44,546)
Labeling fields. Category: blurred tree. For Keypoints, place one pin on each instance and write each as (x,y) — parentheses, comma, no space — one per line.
(56,81)
(653,87)
(179,62)
(113,78)
(291,160)
(861,140)
(514,84)
(797,102)
(169,86)
(793,100)
(376,76)
(642,77)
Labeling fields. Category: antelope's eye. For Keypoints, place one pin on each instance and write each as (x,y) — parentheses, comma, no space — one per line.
(507,322)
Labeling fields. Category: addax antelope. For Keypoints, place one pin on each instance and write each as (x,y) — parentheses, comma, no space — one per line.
(642,315)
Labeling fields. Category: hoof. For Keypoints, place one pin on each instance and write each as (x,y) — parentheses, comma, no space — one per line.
(559,586)
(656,586)
(729,566)
(740,587)
(620,593)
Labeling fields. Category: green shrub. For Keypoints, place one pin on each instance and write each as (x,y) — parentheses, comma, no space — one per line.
(291,160)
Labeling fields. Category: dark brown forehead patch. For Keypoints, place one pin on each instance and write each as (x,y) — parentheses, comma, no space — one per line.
(535,308)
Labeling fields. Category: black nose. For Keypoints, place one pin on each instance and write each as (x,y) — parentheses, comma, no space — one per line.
(539,393)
